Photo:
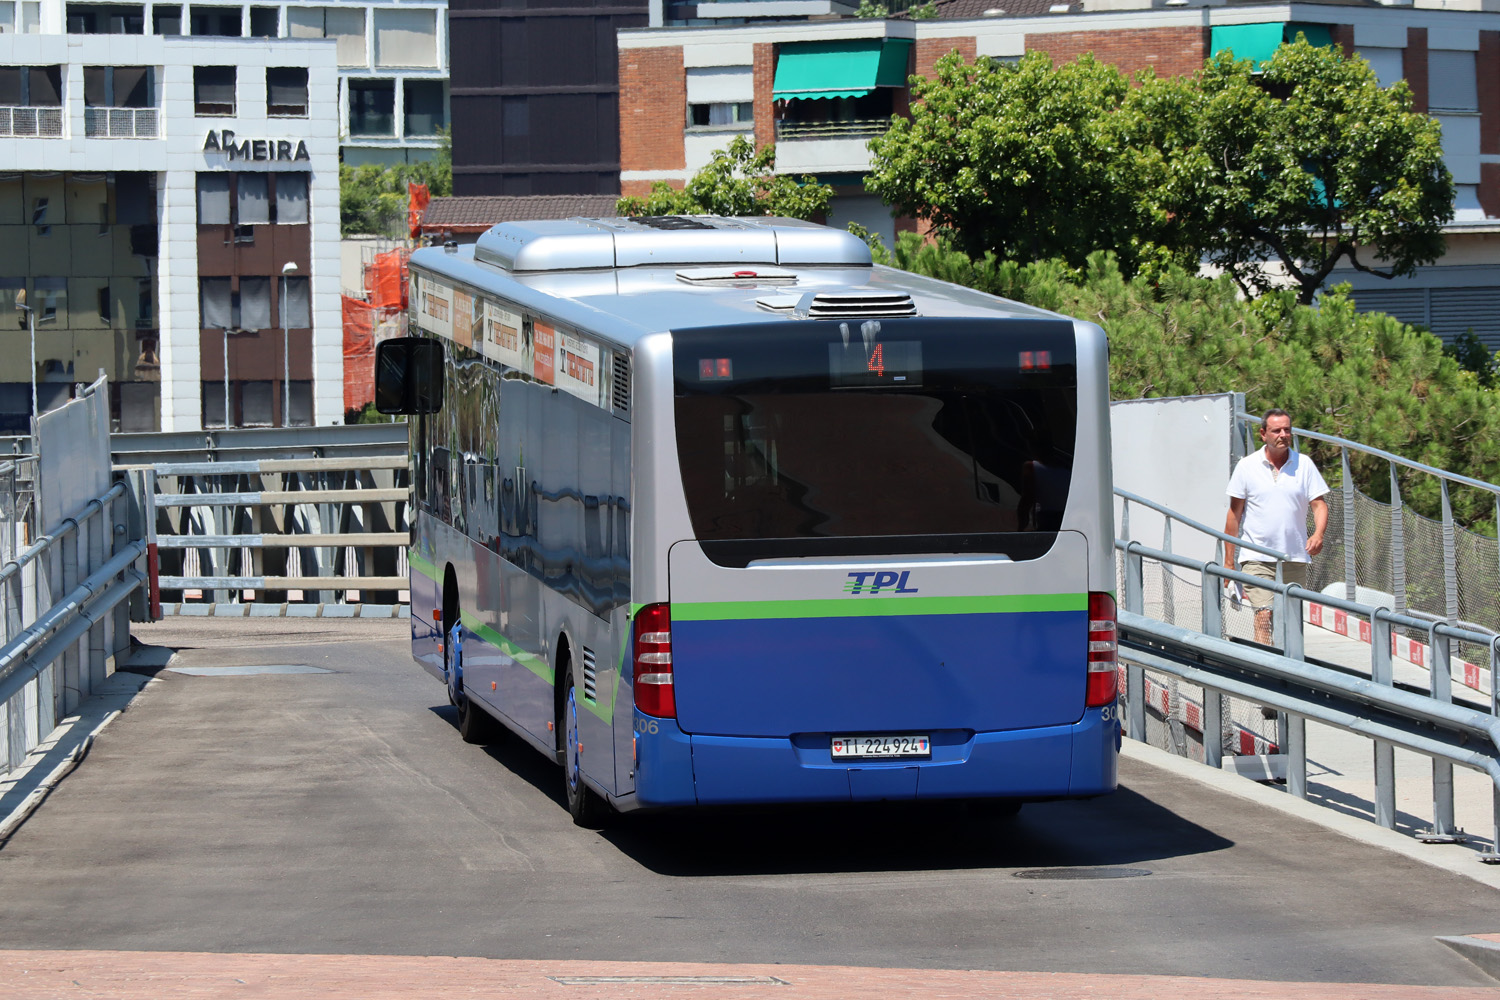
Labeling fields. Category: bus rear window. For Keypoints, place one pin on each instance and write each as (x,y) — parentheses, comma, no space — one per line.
(882,437)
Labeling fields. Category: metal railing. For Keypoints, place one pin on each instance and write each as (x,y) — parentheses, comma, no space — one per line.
(121,123)
(303,529)
(862,128)
(1398,548)
(45,123)
(63,606)
(1429,724)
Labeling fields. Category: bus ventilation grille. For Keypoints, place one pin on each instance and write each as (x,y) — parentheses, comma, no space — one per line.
(855,305)
(620,390)
(590,688)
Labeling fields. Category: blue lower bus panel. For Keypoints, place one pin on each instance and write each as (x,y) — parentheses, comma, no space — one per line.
(673,768)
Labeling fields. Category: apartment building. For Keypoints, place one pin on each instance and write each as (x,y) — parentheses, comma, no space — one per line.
(169,214)
(820,89)
(391,89)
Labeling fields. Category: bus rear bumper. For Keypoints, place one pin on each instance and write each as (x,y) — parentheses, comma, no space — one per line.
(676,769)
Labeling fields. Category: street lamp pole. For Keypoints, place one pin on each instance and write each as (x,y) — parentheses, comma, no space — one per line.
(21,306)
(286,349)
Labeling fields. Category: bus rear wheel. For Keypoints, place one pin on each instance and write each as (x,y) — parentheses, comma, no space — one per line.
(587,808)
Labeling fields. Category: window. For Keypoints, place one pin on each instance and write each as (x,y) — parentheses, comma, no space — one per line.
(49,299)
(298,314)
(740,114)
(213,199)
(31,86)
(372,107)
(425,107)
(286,91)
(223,22)
(291,199)
(213,404)
(255,303)
(1388,63)
(217,305)
(255,404)
(213,90)
(1451,85)
(252,207)
(106,310)
(347,26)
(31,18)
(105,19)
(145,313)
(265,22)
(405,37)
(300,399)
(40,206)
(720,96)
(166,20)
(118,87)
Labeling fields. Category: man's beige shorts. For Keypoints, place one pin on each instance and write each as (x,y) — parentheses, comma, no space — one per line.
(1260,598)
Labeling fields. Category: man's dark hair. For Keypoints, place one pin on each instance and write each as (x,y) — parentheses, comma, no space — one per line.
(1274,411)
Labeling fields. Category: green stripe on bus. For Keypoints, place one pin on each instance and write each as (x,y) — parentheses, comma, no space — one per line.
(421,565)
(530,661)
(877,607)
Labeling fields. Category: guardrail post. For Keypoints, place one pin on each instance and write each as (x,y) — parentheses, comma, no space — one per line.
(74,686)
(1385,753)
(1398,542)
(1213,701)
(1443,830)
(1296,755)
(1450,560)
(1135,677)
(1349,542)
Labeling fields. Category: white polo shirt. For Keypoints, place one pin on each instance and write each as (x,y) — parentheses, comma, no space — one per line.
(1276,502)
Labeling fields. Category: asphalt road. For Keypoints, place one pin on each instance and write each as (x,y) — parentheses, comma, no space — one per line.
(340,813)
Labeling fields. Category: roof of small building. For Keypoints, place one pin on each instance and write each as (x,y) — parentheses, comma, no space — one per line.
(457,214)
(966,10)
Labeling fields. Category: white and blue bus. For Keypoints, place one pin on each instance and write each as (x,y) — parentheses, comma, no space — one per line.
(716,511)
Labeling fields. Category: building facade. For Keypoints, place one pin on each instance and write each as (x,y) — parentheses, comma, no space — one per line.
(536,97)
(169,204)
(821,89)
(391,89)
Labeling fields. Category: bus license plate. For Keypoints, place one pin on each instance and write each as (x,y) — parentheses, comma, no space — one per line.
(881,746)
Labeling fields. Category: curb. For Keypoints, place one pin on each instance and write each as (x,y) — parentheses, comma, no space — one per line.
(193,609)
(1481,949)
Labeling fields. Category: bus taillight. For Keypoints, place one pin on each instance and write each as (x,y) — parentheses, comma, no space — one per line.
(1103,652)
(654,694)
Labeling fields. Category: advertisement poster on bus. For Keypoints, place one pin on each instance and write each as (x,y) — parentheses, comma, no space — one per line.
(577,366)
(543,352)
(502,339)
(434,305)
(463,319)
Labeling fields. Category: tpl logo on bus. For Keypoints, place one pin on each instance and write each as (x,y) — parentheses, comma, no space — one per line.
(876,581)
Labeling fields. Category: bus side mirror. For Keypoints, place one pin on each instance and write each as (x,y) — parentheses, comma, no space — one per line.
(409,376)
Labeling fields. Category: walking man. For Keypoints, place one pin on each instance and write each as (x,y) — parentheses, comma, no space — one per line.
(1270,495)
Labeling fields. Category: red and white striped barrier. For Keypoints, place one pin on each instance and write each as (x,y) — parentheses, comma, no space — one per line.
(1190,711)
(1470,675)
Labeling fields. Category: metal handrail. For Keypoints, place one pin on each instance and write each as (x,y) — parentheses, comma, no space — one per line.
(65,527)
(1387,456)
(1200,526)
(1285,681)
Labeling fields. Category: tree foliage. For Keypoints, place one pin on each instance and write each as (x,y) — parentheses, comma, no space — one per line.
(373,199)
(1364,376)
(736,181)
(1312,166)
(1021,159)
(1275,179)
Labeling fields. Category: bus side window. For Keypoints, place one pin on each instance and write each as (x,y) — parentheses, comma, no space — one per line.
(409,376)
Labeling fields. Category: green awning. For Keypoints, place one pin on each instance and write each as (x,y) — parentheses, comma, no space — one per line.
(847,68)
(1258,42)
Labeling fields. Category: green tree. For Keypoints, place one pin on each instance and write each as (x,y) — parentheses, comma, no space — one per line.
(1023,159)
(1308,167)
(373,199)
(736,181)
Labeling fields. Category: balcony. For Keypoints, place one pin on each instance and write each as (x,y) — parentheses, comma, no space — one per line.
(44,123)
(862,129)
(121,123)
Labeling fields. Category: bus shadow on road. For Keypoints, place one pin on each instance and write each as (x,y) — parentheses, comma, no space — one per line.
(1125,828)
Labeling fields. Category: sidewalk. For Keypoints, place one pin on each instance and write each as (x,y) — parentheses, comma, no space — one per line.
(52,975)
